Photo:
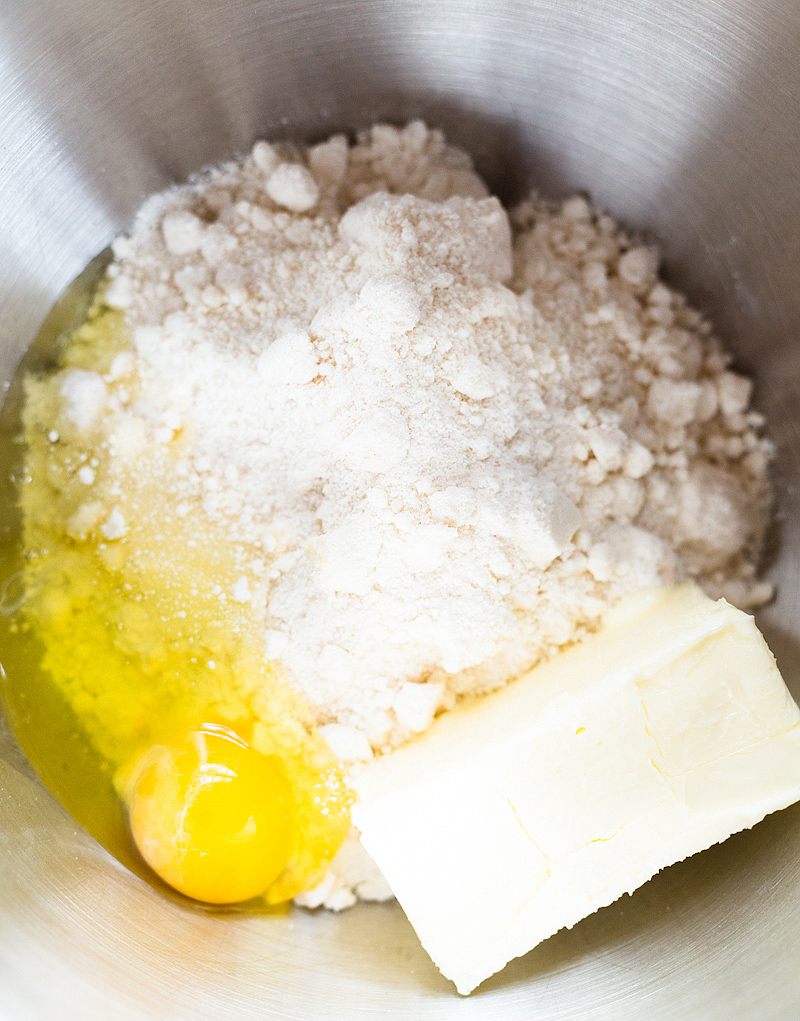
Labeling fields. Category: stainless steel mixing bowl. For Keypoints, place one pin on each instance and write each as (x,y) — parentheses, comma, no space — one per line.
(680,116)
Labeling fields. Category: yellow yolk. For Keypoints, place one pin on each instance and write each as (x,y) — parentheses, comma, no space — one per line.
(212,816)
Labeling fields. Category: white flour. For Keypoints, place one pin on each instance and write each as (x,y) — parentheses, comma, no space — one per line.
(443,441)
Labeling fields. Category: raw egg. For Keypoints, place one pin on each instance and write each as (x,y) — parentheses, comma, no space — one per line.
(212,816)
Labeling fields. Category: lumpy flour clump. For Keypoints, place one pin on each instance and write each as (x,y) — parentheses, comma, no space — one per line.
(440,438)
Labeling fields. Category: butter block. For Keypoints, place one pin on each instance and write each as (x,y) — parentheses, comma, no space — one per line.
(519,813)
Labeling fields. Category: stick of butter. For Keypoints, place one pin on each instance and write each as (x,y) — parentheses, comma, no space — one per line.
(519,813)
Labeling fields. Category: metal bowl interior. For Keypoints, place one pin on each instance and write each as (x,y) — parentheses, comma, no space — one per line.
(679,117)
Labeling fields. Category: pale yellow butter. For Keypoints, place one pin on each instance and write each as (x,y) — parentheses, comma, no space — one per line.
(520,813)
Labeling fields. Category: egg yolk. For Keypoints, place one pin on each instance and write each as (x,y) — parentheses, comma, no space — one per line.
(212,816)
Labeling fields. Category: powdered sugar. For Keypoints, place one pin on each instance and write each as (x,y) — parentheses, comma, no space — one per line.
(443,441)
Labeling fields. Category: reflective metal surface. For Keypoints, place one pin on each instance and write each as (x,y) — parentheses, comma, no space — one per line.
(681,117)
